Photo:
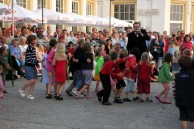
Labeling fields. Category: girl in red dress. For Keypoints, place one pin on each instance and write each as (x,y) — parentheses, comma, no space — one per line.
(60,61)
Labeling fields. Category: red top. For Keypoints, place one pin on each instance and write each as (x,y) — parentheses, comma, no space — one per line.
(108,68)
(144,70)
(132,65)
(71,50)
(187,45)
(117,67)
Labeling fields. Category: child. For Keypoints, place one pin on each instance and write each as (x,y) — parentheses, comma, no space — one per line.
(131,75)
(143,82)
(99,62)
(70,48)
(60,61)
(103,50)
(105,73)
(45,77)
(4,63)
(1,83)
(184,92)
(50,68)
(31,63)
(154,72)
(120,66)
(87,67)
(165,76)
(113,81)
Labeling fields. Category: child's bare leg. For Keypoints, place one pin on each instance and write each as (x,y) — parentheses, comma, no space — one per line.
(47,88)
(114,90)
(120,91)
(50,82)
(27,84)
(32,87)
(97,86)
(88,93)
(61,87)
(184,124)
(82,90)
(192,125)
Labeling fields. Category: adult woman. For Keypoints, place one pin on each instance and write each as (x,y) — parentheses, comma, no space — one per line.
(23,46)
(17,56)
(186,44)
(108,46)
(49,36)
(156,49)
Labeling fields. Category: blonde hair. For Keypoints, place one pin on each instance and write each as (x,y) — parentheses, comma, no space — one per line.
(60,51)
(144,57)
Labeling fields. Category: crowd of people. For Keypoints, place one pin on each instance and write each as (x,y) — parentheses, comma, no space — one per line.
(136,56)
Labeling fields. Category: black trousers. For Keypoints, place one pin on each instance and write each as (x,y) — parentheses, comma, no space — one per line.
(106,84)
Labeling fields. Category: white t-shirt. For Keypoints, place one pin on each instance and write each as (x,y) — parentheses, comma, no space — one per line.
(23,48)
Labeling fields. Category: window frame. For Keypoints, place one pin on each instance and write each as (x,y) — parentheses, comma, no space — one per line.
(60,7)
(180,19)
(122,12)
(88,9)
(39,4)
(74,10)
(22,3)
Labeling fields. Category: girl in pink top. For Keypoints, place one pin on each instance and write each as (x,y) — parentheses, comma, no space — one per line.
(50,68)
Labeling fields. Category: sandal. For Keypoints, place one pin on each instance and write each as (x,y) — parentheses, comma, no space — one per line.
(59,97)
(49,96)
(158,98)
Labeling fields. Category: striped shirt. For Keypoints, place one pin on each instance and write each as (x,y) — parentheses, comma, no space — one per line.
(30,57)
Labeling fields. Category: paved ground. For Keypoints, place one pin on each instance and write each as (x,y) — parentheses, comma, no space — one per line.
(17,113)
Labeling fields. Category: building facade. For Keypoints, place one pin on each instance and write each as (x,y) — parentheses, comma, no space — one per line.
(81,7)
(158,15)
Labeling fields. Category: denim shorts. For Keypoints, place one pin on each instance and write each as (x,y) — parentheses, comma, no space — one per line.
(130,86)
(87,77)
(30,73)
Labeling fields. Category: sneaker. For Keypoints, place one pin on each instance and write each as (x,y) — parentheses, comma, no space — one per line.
(136,98)
(140,100)
(68,93)
(148,100)
(106,103)
(127,100)
(99,98)
(30,97)
(117,100)
(22,93)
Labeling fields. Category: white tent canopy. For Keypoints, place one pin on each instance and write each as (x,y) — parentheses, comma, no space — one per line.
(23,15)
(4,9)
(100,22)
(54,17)
(119,23)
(80,20)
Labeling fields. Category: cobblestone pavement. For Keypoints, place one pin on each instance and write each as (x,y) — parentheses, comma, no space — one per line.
(18,113)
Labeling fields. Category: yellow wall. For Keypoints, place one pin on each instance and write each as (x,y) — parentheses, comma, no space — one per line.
(192,29)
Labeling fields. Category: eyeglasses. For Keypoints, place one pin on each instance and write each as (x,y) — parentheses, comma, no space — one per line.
(40,31)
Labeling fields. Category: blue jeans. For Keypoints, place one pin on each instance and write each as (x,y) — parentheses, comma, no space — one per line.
(79,78)
(130,87)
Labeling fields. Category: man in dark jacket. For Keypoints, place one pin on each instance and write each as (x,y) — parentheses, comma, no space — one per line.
(137,38)
(184,91)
